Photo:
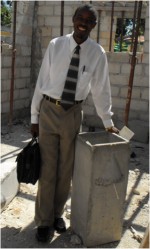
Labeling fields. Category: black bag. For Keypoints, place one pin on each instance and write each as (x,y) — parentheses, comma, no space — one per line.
(29,163)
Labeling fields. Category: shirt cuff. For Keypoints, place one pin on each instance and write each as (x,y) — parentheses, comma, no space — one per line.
(34,119)
(108,123)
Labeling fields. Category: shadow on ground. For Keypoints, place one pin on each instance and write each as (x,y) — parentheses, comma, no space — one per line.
(18,238)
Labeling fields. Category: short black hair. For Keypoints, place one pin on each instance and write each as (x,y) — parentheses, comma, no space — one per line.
(88,7)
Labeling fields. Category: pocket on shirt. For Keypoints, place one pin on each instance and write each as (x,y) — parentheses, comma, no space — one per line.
(84,79)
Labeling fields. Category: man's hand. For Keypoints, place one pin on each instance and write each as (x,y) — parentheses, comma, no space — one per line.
(112,129)
(35,130)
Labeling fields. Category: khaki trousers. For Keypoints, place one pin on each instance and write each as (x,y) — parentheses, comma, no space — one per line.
(57,132)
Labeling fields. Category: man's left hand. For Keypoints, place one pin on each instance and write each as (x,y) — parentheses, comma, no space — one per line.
(112,129)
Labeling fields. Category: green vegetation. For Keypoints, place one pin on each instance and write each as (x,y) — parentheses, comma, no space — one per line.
(6,7)
(125,28)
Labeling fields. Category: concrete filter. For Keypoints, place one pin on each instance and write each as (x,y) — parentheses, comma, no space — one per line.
(99,187)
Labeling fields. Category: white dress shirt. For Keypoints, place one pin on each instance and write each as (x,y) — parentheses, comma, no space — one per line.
(93,75)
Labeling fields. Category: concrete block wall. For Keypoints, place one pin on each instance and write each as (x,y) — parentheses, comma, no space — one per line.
(119,71)
(22,96)
(47,22)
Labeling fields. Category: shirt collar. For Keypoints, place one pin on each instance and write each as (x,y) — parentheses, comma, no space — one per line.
(73,43)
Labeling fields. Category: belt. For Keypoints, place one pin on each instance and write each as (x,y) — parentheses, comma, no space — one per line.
(58,101)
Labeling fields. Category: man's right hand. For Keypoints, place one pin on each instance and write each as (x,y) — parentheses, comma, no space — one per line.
(35,130)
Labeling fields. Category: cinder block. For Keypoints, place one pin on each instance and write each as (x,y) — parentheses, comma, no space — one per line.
(45,41)
(138,69)
(51,3)
(145,58)
(5,96)
(146,70)
(105,34)
(105,23)
(46,31)
(123,91)
(144,116)
(139,105)
(20,83)
(117,56)
(24,40)
(93,34)
(16,94)
(141,81)
(47,10)
(55,31)
(67,30)
(24,93)
(146,36)
(57,10)
(119,79)
(145,94)
(68,19)
(88,109)
(140,129)
(23,61)
(26,51)
(114,91)
(28,20)
(114,68)
(5,85)
(19,104)
(41,20)
(125,68)
(5,107)
(136,92)
(146,46)
(68,10)
(99,187)
(40,3)
(27,103)
(25,72)
(26,30)
(103,43)
(118,102)
(5,73)
(52,20)
(6,61)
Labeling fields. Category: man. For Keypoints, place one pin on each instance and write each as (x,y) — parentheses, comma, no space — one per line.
(56,118)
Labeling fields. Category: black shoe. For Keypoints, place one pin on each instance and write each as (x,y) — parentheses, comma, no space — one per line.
(59,225)
(43,233)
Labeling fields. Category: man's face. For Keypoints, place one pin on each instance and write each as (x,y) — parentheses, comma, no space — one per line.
(84,21)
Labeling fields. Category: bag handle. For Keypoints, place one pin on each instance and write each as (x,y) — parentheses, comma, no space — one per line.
(33,140)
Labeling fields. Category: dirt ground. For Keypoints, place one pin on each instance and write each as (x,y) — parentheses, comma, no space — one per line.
(17,220)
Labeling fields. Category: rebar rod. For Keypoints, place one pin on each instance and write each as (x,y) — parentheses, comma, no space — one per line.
(13,67)
(62,18)
(134,21)
(121,40)
(111,29)
(133,63)
(98,27)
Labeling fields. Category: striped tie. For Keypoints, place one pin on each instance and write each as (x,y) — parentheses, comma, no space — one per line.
(68,95)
